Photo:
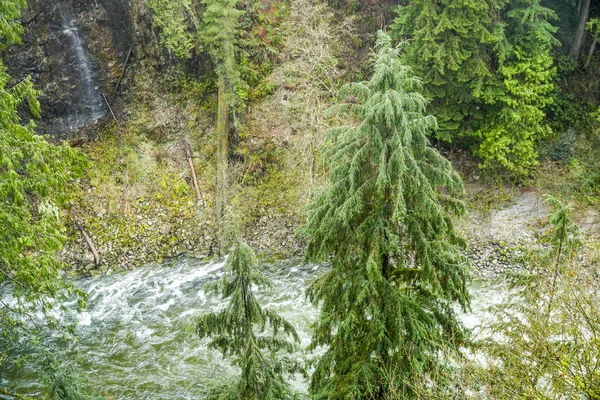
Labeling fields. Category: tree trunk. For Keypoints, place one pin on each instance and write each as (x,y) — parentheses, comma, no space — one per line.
(592,48)
(190,157)
(222,156)
(584,11)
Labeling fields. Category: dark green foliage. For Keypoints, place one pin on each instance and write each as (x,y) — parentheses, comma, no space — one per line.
(233,332)
(219,31)
(387,303)
(523,87)
(564,148)
(489,69)
(35,179)
(448,49)
(173,19)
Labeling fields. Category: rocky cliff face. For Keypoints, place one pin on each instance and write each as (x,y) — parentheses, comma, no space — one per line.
(74,51)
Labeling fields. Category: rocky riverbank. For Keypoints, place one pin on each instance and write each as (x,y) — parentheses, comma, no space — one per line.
(498,236)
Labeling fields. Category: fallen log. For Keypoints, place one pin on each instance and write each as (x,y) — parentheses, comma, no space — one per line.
(188,154)
(87,239)
(123,68)
(110,109)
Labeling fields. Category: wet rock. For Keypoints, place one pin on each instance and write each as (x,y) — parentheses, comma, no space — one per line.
(101,14)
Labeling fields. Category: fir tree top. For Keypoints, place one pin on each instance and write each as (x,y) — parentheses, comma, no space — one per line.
(386,180)
(218,31)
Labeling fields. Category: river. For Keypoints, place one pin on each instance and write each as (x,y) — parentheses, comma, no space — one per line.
(135,339)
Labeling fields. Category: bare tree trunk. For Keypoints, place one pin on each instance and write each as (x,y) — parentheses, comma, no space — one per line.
(592,48)
(222,156)
(190,157)
(584,11)
(88,240)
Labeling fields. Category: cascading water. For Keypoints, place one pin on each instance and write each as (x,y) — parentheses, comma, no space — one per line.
(88,104)
(135,340)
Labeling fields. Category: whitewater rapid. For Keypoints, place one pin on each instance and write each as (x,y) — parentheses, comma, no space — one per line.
(135,339)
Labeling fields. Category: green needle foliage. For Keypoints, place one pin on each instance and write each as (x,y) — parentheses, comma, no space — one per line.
(387,302)
(448,51)
(177,23)
(522,88)
(488,68)
(219,32)
(233,331)
(35,179)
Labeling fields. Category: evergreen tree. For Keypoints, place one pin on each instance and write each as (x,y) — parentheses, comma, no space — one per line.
(218,32)
(233,332)
(383,222)
(522,87)
(449,48)
(35,178)
(489,71)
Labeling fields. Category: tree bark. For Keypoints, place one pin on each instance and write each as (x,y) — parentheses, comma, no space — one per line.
(190,157)
(584,11)
(592,48)
(88,240)
(222,156)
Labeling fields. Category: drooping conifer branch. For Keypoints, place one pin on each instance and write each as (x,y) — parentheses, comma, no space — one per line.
(386,304)
(247,333)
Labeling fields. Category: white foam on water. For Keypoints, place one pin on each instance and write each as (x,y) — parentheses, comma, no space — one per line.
(138,328)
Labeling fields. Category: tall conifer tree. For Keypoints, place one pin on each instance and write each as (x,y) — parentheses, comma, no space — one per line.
(514,100)
(232,332)
(488,68)
(449,49)
(387,302)
(218,32)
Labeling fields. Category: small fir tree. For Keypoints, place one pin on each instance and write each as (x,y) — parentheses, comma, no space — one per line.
(233,331)
(565,237)
(383,222)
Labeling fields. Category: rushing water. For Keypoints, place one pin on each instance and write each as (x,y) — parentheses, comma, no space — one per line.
(134,340)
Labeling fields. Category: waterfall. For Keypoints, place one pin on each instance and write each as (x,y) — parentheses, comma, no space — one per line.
(87,99)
